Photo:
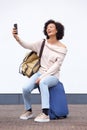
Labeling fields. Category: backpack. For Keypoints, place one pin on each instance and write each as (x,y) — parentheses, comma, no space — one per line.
(31,62)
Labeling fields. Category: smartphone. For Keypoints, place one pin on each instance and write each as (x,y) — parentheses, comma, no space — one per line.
(16,27)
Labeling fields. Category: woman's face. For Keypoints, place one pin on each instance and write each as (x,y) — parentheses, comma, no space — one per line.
(51,30)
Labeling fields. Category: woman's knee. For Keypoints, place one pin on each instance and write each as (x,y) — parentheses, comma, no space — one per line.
(48,81)
(25,90)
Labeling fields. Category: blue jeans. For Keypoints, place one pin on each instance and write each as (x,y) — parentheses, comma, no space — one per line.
(44,85)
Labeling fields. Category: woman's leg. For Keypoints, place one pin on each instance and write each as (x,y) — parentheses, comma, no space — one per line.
(44,85)
(30,85)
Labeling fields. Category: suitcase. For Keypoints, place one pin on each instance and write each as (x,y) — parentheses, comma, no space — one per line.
(58,102)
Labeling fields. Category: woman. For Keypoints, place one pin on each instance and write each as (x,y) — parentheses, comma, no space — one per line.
(48,75)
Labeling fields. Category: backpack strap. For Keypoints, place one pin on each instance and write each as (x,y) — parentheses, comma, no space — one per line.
(41,49)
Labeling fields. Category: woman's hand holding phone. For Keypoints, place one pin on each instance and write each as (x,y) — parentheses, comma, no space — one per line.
(15,28)
(15,32)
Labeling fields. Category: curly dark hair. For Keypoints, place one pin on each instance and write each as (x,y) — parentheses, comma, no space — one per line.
(59,27)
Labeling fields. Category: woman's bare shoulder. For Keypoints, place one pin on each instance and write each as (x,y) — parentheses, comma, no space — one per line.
(61,44)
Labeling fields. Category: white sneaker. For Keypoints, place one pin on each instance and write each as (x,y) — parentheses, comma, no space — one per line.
(42,118)
(26,115)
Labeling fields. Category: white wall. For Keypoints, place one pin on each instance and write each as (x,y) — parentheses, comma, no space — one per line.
(31,16)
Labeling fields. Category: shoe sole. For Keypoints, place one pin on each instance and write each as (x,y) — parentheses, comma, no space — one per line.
(26,118)
(41,120)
